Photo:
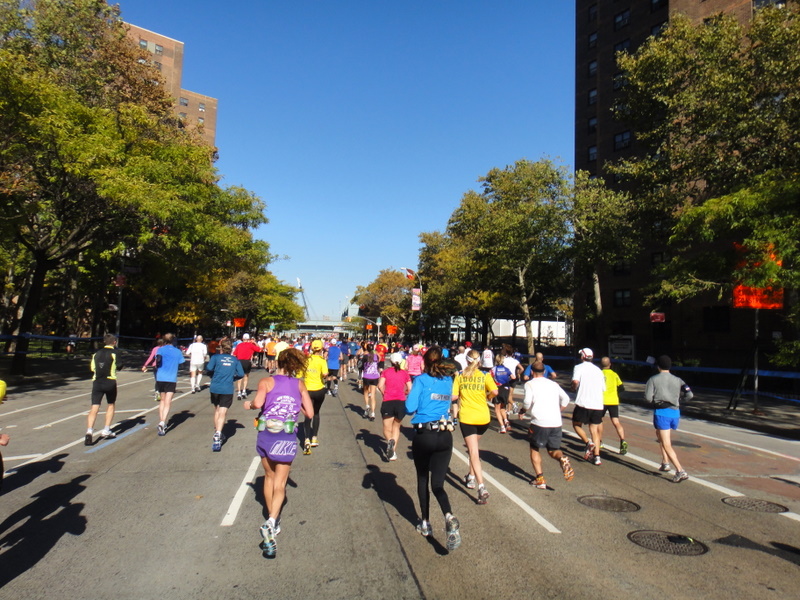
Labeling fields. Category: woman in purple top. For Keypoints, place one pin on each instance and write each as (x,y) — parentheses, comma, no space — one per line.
(279,399)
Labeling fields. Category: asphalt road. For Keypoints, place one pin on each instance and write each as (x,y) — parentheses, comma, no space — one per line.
(146,516)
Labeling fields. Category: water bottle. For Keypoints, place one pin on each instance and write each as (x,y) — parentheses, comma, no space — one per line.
(262,422)
(289,424)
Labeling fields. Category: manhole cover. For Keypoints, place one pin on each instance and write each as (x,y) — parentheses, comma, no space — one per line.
(669,543)
(754,504)
(609,503)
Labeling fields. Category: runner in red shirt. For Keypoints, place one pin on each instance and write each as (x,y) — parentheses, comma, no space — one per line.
(244,352)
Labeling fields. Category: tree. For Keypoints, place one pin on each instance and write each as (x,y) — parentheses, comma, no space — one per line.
(388,296)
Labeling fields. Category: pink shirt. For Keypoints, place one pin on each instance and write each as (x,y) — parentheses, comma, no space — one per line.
(395,384)
(414,364)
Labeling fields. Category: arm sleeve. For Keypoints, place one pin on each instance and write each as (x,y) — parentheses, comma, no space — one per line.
(528,401)
(562,395)
(412,401)
(649,390)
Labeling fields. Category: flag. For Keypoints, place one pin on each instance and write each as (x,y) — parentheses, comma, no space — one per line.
(410,274)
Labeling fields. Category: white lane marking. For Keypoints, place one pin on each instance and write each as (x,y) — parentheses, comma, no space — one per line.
(119,437)
(31,407)
(723,441)
(238,498)
(20,457)
(513,497)
(82,414)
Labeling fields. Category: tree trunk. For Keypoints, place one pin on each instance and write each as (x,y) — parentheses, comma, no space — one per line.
(29,311)
(526,314)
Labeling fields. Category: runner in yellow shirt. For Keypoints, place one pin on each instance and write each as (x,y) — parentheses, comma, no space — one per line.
(611,402)
(314,377)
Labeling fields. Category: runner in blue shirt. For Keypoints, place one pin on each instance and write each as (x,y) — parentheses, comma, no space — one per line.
(224,369)
(168,359)
(334,352)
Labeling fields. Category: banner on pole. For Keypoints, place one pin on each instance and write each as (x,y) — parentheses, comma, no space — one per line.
(416,299)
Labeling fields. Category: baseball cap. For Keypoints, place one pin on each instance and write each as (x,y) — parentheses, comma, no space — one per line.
(246,336)
(316,345)
(586,353)
(396,358)
(468,344)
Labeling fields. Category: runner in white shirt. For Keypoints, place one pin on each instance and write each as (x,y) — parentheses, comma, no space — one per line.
(590,384)
(487,359)
(544,400)
(197,353)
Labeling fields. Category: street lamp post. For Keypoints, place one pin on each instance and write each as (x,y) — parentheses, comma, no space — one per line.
(411,274)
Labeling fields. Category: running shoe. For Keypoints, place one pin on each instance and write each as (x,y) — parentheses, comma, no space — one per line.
(588,452)
(453,533)
(469,481)
(87,440)
(268,546)
(372,415)
(390,453)
(566,467)
(665,467)
(194,390)
(366,412)
(162,430)
(597,461)
(424,528)
(502,429)
(623,447)
(680,476)
(107,434)
(483,495)
(314,441)
(539,482)
(336,390)
(508,425)
(307,447)
(216,443)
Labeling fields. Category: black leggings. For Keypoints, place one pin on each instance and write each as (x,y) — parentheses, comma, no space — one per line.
(432,451)
(312,425)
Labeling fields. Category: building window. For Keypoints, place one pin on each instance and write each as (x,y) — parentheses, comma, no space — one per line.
(622,46)
(657,30)
(182,115)
(658,4)
(622,298)
(159,49)
(622,19)
(592,68)
(618,82)
(593,13)
(202,107)
(592,40)
(200,120)
(658,258)
(184,102)
(762,3)
(592,153)
(622,140)
(716,319)
(592,96)
(591,125)
(622,267)
(143,44)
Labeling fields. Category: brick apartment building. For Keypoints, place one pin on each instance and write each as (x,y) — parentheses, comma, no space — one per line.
(705,329)
(194,109)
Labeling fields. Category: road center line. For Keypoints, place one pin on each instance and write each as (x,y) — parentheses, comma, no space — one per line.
(238,498)
(513,497)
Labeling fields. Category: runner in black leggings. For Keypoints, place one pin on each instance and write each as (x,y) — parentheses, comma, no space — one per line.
(429,402)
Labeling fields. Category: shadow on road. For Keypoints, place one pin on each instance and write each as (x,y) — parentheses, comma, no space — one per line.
(230,428)
(784,551)
(40,525)
(389,492)
(179,418)
(22,476)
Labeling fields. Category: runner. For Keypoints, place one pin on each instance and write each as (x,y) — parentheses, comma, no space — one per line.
(370,376)
(611,402)
(544,401)
(332,356)
(168,359)
(414,362)
(487,360)
(394,384)
(461,358)
(502,377)
(511,362)
(344,357)
(314,377)
(244,351)
(590,384)
(271,354)
(104,383)
(429,402)
(353,348)
(665,392)
(198,354)
(472,389)
(279,399)
(224,369)
(151,361)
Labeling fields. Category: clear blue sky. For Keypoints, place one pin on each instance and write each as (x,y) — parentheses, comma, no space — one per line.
(361,123)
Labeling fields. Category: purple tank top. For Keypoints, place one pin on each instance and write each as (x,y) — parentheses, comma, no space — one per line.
(283,400)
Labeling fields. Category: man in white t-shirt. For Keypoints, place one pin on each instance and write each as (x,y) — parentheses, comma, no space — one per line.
(590,384)
(487,360)
(461,357)
(197,353)
(544,400)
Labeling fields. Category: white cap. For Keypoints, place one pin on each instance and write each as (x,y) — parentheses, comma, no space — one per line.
(586,353)
(245,336)
(396,358)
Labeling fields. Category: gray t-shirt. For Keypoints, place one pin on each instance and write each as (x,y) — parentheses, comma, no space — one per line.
(666,387)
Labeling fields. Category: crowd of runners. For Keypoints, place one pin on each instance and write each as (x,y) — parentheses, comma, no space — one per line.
(442,389)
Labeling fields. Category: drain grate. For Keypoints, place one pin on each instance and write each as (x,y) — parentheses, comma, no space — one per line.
(668,543)
(609,503)
(754,504)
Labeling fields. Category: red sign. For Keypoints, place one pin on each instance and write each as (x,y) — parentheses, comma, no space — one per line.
(391,329)
(369,325)
(239,322)
(750,297)
(657,317)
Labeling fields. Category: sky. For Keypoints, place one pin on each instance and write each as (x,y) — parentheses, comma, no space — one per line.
(361,123)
